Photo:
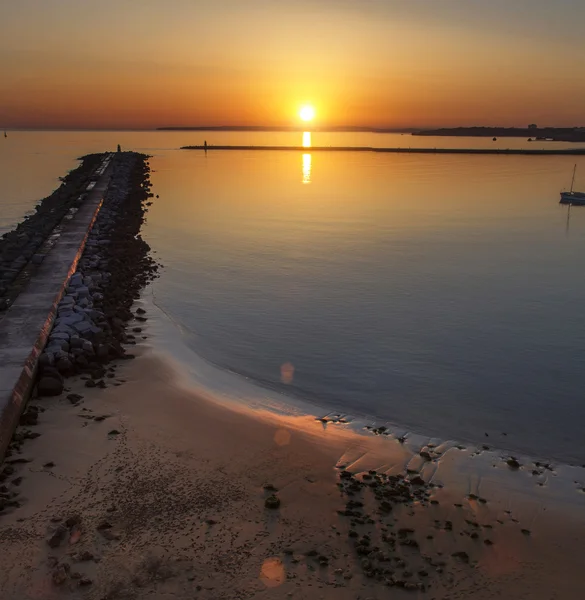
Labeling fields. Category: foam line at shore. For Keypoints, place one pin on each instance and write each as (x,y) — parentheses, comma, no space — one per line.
(556,483)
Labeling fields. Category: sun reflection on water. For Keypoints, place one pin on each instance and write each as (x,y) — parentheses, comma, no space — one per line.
(307,168)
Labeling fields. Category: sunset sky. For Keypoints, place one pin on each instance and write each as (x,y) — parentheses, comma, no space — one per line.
(378,63)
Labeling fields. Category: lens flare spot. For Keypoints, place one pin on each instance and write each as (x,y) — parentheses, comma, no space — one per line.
(272,573)
(282,437)
(287,372)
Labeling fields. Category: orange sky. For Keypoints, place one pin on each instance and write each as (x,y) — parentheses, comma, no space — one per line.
(379,63)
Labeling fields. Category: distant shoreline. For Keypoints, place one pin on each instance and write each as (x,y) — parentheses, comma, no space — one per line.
(520,151)
(541,134)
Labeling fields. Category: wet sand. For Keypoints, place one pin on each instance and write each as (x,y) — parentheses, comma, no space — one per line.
(147,489)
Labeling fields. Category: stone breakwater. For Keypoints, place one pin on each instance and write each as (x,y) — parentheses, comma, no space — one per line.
(90,327)
(21,245)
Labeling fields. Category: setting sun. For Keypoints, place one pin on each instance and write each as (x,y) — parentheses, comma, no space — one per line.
(307,113)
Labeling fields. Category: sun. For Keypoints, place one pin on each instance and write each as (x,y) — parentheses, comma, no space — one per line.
(307,113)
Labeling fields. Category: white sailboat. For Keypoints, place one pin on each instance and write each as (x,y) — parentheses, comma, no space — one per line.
(572,197)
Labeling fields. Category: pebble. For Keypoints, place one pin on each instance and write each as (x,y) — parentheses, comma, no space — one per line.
(272,502)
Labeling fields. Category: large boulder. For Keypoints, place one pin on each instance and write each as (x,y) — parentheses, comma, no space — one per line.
(65,367)
(49,386)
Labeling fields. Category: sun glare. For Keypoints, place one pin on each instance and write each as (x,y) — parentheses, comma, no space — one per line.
(307,113)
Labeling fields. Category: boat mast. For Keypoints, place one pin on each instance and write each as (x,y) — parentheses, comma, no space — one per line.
(573,180)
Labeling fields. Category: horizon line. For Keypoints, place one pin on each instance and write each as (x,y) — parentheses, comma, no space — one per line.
(286,128)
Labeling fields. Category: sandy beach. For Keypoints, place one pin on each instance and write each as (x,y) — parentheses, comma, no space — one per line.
(148,489)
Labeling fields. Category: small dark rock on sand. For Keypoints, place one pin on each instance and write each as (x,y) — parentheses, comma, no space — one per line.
(58,536)
(29,418)
(59,575)
(272,502)
(461,555)
(513,463)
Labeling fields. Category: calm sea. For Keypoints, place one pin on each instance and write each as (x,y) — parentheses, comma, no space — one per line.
(443,294)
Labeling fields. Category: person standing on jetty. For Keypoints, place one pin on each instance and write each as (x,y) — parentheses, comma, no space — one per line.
(205,145)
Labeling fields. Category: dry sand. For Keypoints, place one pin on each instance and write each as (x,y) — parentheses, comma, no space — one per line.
(165,499)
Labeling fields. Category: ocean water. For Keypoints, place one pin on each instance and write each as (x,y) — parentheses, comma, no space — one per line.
(441,294)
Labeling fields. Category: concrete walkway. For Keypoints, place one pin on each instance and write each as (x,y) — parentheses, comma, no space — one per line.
(25,327)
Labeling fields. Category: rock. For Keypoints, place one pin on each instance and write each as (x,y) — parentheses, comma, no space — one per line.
(417,480)
(49,465)
(58,536)
(65,367)
(73,520)
(461,555)
(50,386)
(426,455)
(114,432)
(74,398)
(76,280)
(76,342)
(29,418)
(83,328)
(513,463)
(90,383)
(59,575)
(86,556)
(85,581)
(109,535)
(272,502)
(81,361)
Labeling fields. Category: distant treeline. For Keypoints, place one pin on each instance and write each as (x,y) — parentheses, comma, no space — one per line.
(558,134)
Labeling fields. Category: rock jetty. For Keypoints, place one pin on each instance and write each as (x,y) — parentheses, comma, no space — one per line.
(90,327)
(23,245)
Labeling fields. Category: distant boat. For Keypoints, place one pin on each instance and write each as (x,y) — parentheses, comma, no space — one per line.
(572,197)
(5,134)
